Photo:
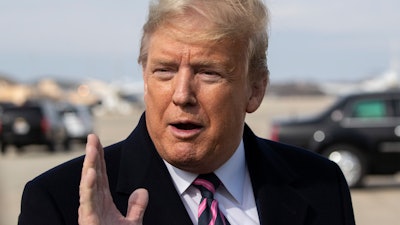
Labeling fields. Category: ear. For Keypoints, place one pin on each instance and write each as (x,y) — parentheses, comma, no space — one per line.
(144,77)
(257,89)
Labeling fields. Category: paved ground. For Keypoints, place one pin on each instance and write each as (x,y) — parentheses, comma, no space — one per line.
(377,203)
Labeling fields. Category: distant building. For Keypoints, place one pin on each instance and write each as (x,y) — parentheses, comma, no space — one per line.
(13,92)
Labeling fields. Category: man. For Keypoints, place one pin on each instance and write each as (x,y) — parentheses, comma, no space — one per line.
(204,68)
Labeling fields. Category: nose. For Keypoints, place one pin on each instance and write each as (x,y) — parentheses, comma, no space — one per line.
(184,90)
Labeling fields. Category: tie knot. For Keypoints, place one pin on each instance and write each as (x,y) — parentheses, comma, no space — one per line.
(207,184)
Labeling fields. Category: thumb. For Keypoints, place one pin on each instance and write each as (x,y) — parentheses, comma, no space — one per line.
(137,205)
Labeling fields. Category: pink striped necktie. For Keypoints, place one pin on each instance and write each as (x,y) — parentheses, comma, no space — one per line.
(209,213)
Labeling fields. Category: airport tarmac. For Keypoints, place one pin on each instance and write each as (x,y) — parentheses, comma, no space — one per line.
(377,203)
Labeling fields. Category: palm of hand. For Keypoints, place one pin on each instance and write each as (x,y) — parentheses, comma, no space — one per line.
(96,203)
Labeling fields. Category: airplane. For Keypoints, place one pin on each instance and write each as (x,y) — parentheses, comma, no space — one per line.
(119,96)
(389,79)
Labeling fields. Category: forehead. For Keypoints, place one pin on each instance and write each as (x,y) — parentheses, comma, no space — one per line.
(170,41)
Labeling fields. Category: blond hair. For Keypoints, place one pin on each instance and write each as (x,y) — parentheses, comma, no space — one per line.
(242,20)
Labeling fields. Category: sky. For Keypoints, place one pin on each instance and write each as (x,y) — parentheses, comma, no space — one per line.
(310,40)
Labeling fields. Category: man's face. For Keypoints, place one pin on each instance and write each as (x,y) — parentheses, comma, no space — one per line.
(196,95)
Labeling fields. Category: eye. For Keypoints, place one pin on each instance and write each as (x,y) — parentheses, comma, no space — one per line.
(164,73)
(209,72)
(210,75)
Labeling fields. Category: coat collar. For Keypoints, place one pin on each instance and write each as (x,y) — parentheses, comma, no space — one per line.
(273,182)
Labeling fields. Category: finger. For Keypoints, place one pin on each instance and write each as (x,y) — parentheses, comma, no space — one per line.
(89,163)
(86,195)
(91,154)
(137,205)
(90,180)
(102,170)
(95,159)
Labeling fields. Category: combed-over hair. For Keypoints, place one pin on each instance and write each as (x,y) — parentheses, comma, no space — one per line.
(242,20)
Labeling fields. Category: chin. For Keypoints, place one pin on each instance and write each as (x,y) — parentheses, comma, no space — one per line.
(189,164)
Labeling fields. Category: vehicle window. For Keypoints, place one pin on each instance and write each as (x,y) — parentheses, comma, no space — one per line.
(369,109)
(12,113)
(397,107)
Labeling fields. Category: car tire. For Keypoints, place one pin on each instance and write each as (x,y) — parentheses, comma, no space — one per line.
(67,144)
(3,147)
(350,160)
(51,147)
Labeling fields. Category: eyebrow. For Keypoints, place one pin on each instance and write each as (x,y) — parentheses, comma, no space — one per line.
(207,63)
(215,64)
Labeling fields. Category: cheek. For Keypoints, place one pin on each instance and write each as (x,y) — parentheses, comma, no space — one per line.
(226,111)
(156,96)
(226,104)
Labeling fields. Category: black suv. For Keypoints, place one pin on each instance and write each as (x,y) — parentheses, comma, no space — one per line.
(2,106)
(360,132)
(34,123)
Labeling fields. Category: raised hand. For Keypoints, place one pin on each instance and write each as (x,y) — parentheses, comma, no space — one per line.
(96,203)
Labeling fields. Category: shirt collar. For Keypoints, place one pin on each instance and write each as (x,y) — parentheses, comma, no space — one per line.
(231,173)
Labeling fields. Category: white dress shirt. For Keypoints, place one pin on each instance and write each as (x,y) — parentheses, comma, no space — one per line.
(235,197)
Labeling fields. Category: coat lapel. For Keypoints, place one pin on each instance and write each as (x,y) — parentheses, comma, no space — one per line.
(277,200)
(141,166)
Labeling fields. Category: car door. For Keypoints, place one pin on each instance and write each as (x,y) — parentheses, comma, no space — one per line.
(375,120)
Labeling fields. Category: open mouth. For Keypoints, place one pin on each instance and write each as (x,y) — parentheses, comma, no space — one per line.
(186,126)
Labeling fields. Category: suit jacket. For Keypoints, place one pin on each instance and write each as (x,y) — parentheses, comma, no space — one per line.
(291,186)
